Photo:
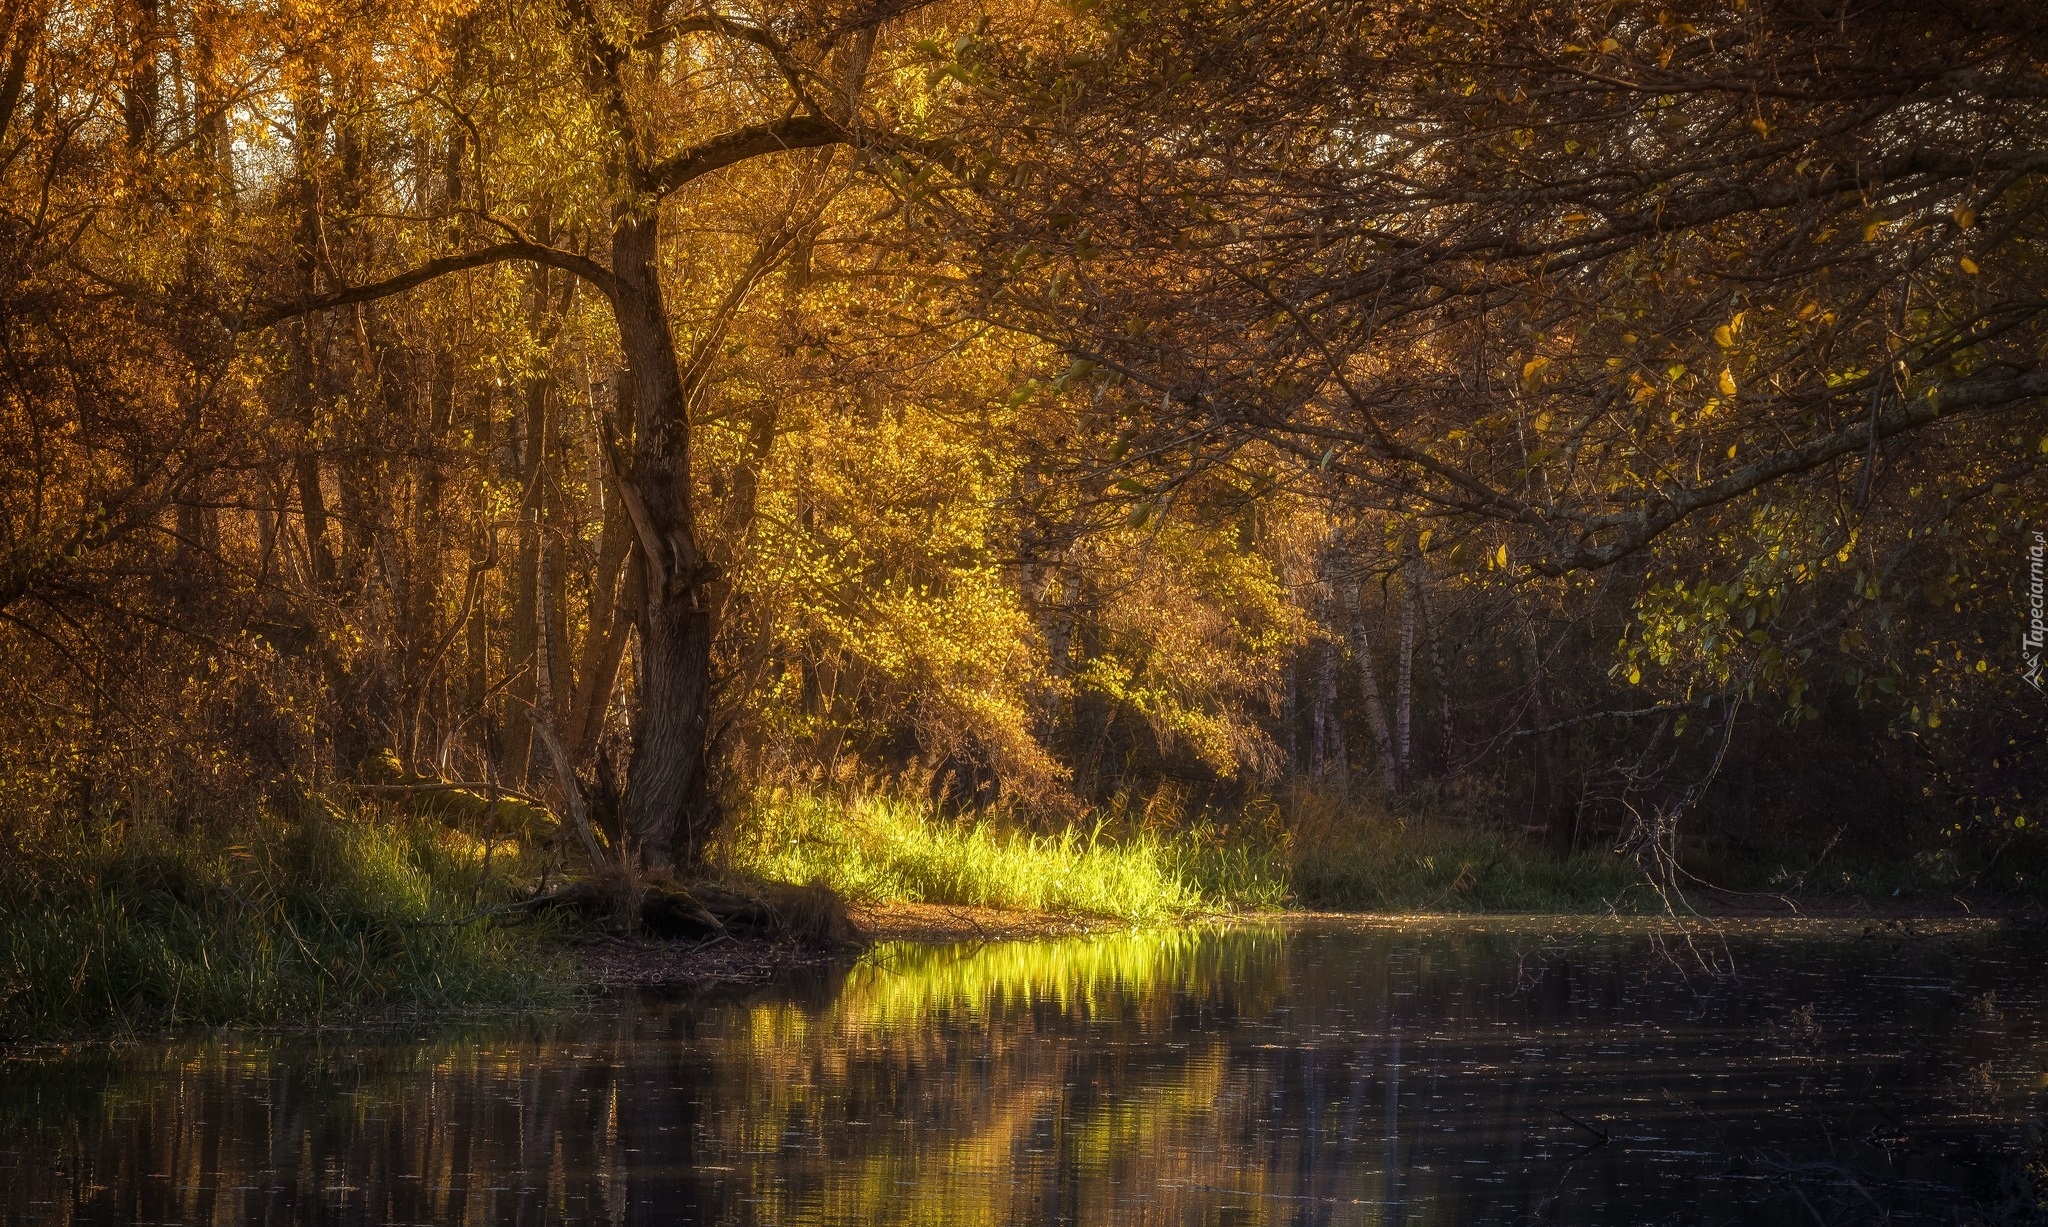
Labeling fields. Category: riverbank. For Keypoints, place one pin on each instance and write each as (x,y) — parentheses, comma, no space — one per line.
(609,963)
(313,911)
(562,966)
(614,964)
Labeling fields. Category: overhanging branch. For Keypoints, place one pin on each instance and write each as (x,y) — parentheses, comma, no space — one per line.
(568,261)
(740,144)
(1942,401)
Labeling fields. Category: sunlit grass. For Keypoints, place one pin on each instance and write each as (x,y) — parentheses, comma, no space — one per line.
(311,916)
(882,849)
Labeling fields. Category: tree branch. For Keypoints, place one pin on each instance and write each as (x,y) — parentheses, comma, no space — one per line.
(740,144)
(582,266)
(1942,401)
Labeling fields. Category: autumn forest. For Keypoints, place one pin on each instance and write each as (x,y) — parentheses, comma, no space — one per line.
(1131,457)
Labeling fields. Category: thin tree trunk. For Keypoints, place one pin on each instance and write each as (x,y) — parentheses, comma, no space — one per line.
(1433,631)
(143,94)
(1404,690)
(429,560)
(1290,715)
(544,712)
(308,372)
(313,510)
(600,672)
(477,646)
(1560,820)
(1332,759)
(26,35)
(1333,762)
(1369,687)
(528,576)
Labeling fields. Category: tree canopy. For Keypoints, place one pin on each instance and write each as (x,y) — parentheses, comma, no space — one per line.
(1590,414)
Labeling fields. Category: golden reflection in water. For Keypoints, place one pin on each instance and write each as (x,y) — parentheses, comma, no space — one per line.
(1255,1074)
(975,1040)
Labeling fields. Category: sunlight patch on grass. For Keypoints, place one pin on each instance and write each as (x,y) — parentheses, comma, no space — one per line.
(882,849)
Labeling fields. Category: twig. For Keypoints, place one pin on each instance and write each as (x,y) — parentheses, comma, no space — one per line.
(1598,1133)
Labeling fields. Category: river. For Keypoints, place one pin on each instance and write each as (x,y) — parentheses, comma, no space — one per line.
(1303,1072)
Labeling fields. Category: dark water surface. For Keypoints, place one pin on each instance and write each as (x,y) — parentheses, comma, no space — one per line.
(1434,1072)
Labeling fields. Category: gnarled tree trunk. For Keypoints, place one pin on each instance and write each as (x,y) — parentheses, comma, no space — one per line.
(668,804)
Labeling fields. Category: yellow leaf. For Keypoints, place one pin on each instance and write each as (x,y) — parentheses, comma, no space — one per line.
(1871,228)
(1534,368)
(1609,45)
(1500,556)
(1762,128)
(1635,676)
(1966,217)
(1726,383)
(1724,338)
(1731,451)
(1969,265)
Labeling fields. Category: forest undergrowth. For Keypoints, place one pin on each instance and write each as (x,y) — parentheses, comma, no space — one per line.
(303,916)
(313,911)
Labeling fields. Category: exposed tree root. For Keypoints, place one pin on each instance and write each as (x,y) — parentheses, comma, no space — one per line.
(661,907)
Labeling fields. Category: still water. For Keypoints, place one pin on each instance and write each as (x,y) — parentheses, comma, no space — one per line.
(1311,1073)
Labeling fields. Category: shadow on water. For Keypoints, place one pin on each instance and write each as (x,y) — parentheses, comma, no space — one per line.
(1318,1073)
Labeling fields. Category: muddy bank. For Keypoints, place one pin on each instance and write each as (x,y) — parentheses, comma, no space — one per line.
(613,963)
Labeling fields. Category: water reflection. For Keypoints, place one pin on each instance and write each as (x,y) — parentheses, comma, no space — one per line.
(1439,1073)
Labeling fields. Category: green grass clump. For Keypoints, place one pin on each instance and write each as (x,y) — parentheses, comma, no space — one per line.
(287,919)
(882,849)
(1391,866)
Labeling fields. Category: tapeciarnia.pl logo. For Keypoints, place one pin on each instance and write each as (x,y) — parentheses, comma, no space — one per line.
(2036,635)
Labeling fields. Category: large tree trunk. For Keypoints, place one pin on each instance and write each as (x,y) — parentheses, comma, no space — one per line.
(669,810)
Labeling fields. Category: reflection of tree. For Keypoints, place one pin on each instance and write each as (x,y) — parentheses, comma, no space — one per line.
(1017,1121)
